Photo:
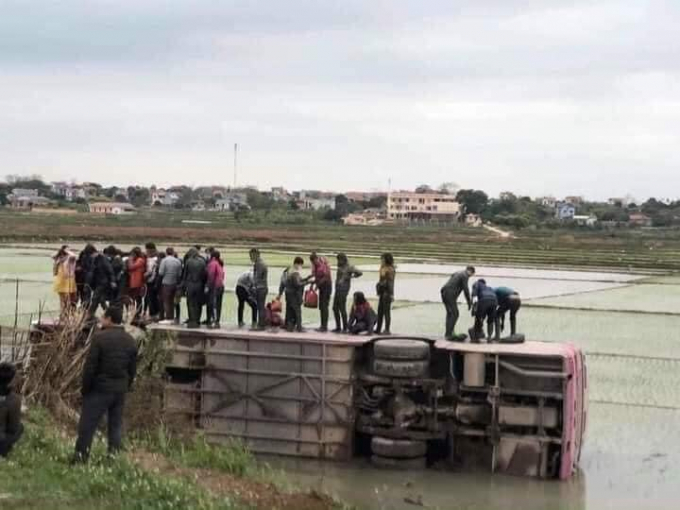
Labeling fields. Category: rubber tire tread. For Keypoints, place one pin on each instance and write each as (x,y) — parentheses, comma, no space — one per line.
(400,464)
(398,448)
(401,349)
(406,368)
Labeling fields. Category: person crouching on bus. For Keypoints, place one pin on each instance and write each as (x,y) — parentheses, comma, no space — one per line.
(362,318)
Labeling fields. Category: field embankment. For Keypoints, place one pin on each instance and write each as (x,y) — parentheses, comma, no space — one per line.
(652,249)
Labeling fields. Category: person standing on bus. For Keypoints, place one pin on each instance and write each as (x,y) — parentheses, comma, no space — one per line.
(343,282)
(136,269)
(323,280)
(261,285)
(215,286)
(385,291)
(450,292)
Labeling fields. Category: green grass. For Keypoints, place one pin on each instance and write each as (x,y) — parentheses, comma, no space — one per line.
(37,475)
(230,457)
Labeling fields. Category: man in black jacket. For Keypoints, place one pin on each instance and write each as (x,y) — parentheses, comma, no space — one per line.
(101,280)
(194,281)
(450,291)
(11,428)
(108,375)
(260,283)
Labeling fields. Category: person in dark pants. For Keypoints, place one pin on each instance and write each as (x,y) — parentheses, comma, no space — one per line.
(108,375)
(100,279)
(260,285)
(343,283)
(294,289)
(194,283)
(450,292)
(385,291)
(362,317)
(484,309)
(118,267)
(83,269)
(323,280)
(508,301)
(170,276)
(215,284)
(11,428)
(151,298)
(245,293)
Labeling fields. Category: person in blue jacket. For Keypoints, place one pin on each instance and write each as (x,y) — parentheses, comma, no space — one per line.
(485,309)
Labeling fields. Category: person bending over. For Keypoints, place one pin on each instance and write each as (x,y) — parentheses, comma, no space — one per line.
(508,301)
(485,309)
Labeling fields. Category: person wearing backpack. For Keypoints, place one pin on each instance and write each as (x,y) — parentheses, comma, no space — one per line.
(323,281)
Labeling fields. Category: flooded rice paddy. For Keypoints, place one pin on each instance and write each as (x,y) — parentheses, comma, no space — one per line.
(632,449)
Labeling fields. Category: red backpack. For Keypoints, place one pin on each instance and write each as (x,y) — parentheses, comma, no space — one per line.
(311,299)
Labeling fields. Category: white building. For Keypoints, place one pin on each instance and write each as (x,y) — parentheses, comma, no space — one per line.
(585,220)
(406,205)
(232,201)
(162,197)
(547,201)
(111,208)
(316,204)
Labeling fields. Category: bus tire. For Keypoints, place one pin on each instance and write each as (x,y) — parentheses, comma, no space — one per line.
(392,368)
(398,448)
(405,349)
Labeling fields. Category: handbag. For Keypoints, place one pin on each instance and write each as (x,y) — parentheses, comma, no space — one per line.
(311,299)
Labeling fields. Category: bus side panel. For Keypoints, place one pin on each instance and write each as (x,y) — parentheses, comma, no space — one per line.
(571,414)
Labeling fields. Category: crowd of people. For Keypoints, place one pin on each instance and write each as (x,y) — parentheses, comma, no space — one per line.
(153,284)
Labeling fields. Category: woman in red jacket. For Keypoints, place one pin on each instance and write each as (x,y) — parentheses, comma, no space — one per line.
(136,268)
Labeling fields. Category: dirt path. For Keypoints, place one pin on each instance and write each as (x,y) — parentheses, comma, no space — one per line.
(501,233)
(260,495)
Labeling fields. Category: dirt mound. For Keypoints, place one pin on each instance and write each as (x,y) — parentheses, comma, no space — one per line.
(251,493)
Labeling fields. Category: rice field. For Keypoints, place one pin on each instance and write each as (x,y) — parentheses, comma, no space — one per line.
(633,361)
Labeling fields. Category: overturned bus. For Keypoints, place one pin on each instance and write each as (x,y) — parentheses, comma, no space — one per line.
(403,402)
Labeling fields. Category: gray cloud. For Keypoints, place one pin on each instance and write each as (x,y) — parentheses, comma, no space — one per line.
(531,96)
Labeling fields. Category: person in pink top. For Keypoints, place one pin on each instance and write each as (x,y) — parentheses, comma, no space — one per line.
(215,289)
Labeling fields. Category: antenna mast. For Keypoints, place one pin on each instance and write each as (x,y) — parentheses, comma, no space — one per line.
(235,163)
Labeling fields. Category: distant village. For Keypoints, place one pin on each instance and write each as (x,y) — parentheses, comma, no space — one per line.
(445,204)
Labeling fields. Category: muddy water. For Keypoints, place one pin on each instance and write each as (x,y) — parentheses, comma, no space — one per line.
(630,462)
(633,446)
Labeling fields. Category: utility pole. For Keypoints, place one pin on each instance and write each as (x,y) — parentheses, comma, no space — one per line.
(235,163)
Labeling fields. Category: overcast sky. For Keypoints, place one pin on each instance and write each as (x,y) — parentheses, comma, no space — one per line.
(536,97)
